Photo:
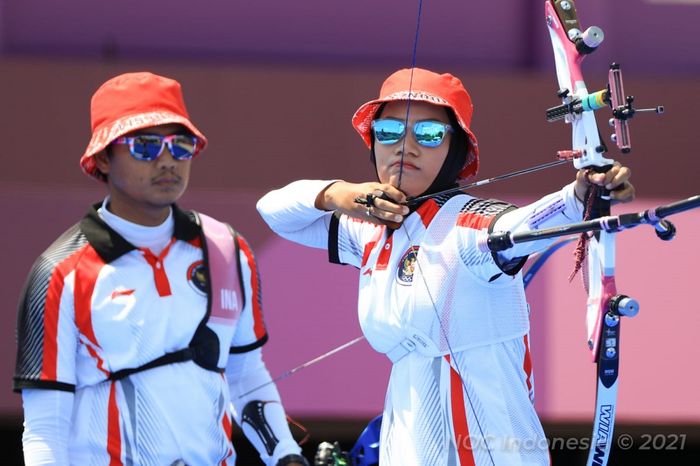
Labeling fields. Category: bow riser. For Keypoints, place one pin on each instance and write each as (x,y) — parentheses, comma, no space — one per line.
(601,287)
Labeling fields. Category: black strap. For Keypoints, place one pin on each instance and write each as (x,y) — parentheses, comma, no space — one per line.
(333,253)
(182,355)
(513,266)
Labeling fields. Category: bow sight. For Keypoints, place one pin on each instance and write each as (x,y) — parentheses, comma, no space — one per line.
(612,97)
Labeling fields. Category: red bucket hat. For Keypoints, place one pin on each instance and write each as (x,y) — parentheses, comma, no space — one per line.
(425,86)
(129,102)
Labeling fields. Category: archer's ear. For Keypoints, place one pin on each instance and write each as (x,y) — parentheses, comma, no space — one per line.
(102,162)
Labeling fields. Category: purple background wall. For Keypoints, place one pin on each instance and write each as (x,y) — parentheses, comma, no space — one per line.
(651,35)
(273,85)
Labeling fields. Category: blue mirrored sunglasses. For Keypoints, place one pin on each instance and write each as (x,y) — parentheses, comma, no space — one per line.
(148,147)
(428,133)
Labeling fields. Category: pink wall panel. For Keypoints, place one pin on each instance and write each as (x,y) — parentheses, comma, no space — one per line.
(266,123)
(310,309)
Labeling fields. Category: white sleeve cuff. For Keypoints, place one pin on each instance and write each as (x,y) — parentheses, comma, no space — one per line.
(47,425)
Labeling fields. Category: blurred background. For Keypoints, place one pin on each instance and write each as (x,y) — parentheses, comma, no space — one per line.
(273,85)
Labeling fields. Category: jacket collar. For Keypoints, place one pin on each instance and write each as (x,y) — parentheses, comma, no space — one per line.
(110,245)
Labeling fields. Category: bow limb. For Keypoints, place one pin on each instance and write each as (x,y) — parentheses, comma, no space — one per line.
(604,343)
(570,47)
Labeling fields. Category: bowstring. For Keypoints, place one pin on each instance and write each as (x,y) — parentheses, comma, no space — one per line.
(410,87)
(453,359)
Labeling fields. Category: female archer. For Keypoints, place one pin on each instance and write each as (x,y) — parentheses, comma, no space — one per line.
(449,314)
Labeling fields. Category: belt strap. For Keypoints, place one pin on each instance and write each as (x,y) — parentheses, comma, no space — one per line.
(192,353)
(401,350)
(182,355)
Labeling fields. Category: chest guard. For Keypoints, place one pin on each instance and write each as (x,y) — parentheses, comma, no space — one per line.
(226,293)
(209,347)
